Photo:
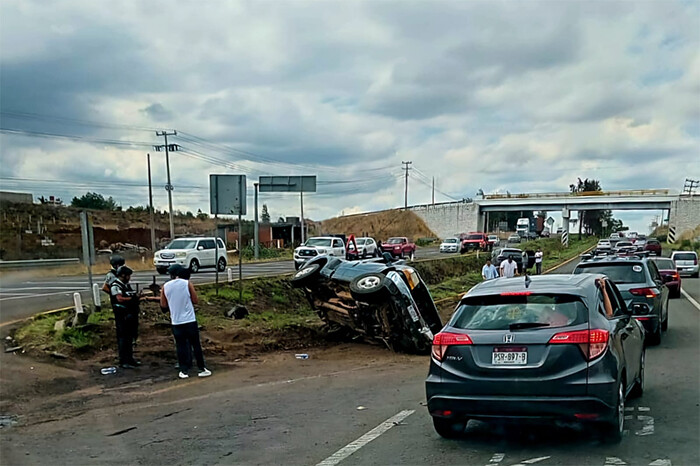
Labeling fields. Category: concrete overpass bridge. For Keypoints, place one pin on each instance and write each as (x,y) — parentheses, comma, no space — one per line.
(447,219)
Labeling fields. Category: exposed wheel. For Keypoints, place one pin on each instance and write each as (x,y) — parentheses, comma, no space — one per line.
(162,270)
(447,428)
(613,430)
(306,275)
(194,266)
(638,388)
(221,265)
(369,287)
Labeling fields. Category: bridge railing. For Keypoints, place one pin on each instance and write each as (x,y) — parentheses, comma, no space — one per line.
(630,192)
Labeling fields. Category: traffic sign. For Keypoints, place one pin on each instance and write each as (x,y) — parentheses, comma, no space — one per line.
(227,194)
(550,221)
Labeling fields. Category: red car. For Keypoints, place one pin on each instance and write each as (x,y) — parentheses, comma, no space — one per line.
(475,241)
(653,246)
(671,277)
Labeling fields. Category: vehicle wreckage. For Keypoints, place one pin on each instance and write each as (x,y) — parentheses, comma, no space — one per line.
(381,299)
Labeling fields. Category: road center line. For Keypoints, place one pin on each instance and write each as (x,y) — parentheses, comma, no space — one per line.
(352,447)
(690,298)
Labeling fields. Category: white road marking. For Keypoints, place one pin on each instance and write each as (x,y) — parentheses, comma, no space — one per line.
(536,460)
(647,427)
(660,462)
(643,408)
(39,288)
(629,408)
(629,417)
(690,298)
(39,295)
(612,460)
(352,447)
(497,458)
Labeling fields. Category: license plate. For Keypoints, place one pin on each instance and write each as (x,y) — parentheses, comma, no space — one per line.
(413,313)
(509,356)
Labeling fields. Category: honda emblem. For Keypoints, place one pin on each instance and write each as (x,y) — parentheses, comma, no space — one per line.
(509,338)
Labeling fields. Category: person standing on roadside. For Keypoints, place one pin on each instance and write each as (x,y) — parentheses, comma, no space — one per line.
(125,304)
(115,261)
(538,261)
(179,297)
(509,268)
(489,271)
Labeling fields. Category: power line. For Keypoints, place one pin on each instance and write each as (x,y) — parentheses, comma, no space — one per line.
(74,121)
(40,134)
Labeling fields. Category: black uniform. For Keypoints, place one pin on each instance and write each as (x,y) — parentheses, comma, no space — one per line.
(126,317)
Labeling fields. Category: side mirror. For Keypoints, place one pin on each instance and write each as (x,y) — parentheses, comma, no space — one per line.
(200,248)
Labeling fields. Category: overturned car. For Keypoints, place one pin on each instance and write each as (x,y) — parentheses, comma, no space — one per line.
(380,299)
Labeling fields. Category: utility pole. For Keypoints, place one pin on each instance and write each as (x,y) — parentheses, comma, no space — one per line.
(150,205)
(405,198)
(169,186)
(256,236)
(690,186)
(433,190)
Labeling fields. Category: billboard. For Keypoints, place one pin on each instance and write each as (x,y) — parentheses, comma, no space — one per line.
(227,194)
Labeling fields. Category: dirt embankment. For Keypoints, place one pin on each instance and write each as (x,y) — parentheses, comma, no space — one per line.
(380,225)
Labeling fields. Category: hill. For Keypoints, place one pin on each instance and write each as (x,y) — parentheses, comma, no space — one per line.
(380,225)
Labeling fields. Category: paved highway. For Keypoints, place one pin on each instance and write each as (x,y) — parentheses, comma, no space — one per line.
(360,405)
(24,297)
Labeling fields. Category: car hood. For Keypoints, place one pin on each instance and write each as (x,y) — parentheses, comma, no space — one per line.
(173,251)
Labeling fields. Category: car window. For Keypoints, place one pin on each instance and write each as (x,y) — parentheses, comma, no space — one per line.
(664,264)
(499,312)
(207,244)
(622,272)
(614,302)
(336,243)
(684,256)
(395,241)
(654,271)
(221,244)
(182,244)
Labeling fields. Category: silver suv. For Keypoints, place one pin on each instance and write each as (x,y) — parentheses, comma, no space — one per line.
(193,253)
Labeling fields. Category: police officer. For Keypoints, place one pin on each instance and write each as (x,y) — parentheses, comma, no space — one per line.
(115,261)
(125,303)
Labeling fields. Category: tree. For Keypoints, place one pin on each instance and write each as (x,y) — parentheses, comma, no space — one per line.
(591,221)
(95,201)
(137,209)
(202,215)
(265,216)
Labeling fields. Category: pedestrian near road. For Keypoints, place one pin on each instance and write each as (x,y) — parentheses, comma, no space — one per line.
(125,304)
(509,268)
(538,261)
(115,261)
(179,297)
(489,271)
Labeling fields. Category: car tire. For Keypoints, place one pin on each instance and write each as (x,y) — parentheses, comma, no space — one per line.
(695,275)
(449,429)
(194,266)
(638,388)
(654,339)
(221,265)
(162,270)
(614,429)
(306,274)
(369,287)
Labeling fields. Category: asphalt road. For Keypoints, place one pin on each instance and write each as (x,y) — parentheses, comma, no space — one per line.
(366,408)
(24,297)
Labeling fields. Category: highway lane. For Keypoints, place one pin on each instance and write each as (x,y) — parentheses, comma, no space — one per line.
(24,297)
(366,408)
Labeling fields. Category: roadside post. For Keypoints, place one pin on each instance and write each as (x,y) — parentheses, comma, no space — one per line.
(289,184)
(96,297)
(227,196)
(85,233)
(565,215)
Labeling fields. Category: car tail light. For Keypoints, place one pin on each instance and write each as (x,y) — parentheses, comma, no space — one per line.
(646,292)
(592,342)
(443,340)
(516,293)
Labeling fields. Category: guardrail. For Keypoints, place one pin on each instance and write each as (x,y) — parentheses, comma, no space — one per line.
(37,263)
(632,192)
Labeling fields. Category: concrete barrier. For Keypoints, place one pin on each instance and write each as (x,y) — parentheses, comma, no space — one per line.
(37,263)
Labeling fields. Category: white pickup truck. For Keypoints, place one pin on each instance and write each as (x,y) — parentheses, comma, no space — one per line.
(317,246)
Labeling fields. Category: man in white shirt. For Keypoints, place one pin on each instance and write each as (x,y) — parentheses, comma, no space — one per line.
(179,297)
(538,261)
(509,268)
(488,271)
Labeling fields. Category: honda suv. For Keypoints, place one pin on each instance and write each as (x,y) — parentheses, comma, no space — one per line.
(192,253)
(641,286)
(552,347)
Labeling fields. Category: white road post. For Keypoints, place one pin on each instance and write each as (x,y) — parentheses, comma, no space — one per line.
(80,315)
(96,297)
(229,272)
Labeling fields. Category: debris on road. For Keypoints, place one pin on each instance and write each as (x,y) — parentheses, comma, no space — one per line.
(13,349)
(108,370)
(361,408)
(301,356)
(57,355)
(237,312)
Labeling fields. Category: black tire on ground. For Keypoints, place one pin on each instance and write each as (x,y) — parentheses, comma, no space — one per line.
(194,266)
(638,388)
(447,428)
(612,433)
(221,265)
(162,270)
(695,275)
(306,274)
(655,338)
(369,287)
(676,294)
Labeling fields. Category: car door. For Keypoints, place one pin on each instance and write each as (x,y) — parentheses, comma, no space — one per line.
(370,247)
(222,249)
(207,253)
(337,248)
(626,336)
(661,301)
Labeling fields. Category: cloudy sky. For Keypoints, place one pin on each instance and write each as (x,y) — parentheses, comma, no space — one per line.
(500,96)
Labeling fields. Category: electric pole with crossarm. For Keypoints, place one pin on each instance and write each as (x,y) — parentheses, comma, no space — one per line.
(405,198)
(169,186)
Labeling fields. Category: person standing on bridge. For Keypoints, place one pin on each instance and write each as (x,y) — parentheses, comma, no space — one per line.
(489,271)
(538,261)
(179,297)
(125,304)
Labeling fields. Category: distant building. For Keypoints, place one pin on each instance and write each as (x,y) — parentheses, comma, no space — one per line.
(19,198)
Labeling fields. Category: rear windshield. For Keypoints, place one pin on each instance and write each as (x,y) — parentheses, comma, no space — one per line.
(665,264)
(395,241)
(624,243)
(652,241)
(684,256)
(451,240)
(501,312)
(475,237)
(619,273)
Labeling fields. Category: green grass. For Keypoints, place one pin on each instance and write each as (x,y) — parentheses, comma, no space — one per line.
(99,317)
(454,286)
(280,299)
(226,293)
(78,338)
(39,331)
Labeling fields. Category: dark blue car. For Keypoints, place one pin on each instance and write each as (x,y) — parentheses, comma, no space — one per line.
(538,347)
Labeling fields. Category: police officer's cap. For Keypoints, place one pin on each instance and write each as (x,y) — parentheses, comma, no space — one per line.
(124,270)
(116,261)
